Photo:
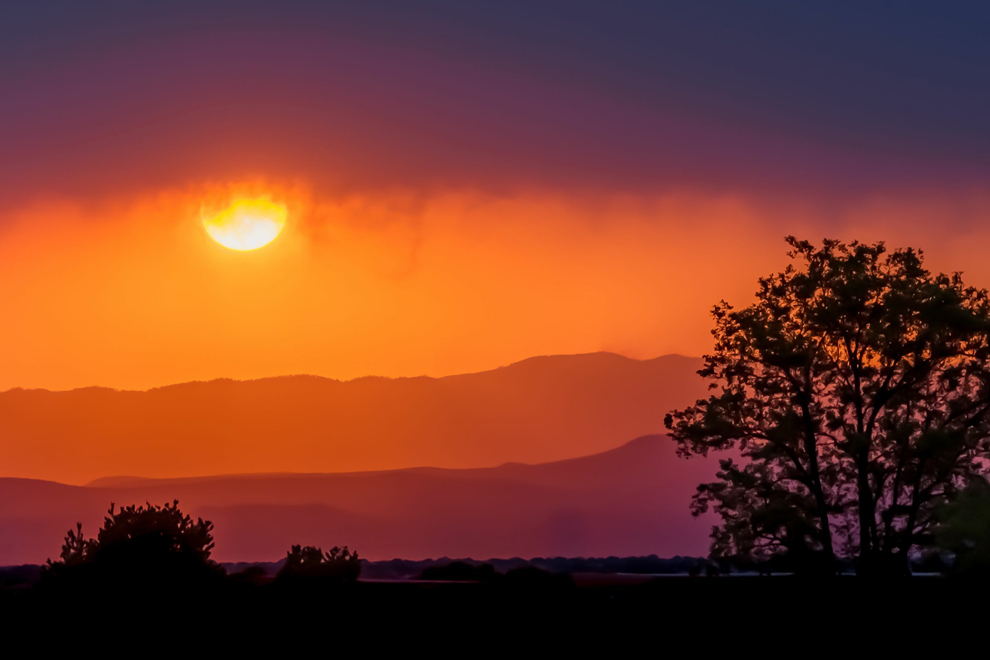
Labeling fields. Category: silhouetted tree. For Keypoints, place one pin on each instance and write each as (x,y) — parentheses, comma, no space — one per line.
(855,389)
(312,563)
(138,544)
(76,549)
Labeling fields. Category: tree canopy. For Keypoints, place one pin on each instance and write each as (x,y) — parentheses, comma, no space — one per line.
(139,543)
(855,393)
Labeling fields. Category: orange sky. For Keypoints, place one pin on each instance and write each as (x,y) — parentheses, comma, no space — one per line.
(466,186)
(130,292)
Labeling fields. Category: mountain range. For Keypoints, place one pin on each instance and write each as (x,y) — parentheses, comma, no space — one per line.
(627,501)
(302,459)
(538,410)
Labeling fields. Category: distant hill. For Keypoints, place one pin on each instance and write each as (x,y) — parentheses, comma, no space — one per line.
(538,410)
(628,501)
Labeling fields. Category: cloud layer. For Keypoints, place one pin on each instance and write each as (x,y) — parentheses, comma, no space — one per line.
(466,186)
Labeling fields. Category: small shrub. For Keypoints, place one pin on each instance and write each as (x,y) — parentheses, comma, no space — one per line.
(312,563)
(138,546)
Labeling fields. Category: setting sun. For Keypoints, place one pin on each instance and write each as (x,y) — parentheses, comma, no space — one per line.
(247,224)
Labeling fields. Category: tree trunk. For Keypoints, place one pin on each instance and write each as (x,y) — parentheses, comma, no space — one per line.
(867,559)
(811,448)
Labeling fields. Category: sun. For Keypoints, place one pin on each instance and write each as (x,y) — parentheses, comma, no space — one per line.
(247,224)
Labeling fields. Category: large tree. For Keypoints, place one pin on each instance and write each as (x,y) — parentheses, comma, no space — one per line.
(854,393)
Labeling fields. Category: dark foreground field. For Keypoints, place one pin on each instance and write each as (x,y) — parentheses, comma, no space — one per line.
(720,615)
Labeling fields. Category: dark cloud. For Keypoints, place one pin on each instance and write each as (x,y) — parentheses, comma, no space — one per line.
(777,96)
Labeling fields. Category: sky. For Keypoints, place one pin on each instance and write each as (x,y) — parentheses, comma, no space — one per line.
(467,184)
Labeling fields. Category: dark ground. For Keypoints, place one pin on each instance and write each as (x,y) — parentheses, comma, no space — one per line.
(714,615)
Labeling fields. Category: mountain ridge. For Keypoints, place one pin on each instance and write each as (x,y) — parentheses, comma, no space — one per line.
(628,501)
(124,481)
(317,377)
(535,411)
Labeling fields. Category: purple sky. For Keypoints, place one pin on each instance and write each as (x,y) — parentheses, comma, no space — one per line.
(779,98)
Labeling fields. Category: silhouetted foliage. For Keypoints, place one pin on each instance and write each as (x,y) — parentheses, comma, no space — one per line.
(856,390)
(139,545)
(312,563)
(76,549)
(173,531)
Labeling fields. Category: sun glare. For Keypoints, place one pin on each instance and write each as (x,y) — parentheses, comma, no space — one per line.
(247,224)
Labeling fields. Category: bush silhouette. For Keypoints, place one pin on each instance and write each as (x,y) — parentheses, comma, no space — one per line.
(138,546)
(313,564)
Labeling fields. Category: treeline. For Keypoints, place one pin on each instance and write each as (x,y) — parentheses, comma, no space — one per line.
(446,568)
(155,548)
(140,547)
(413,569)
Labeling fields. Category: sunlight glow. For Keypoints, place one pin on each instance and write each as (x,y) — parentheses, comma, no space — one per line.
(247,224)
